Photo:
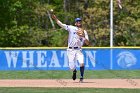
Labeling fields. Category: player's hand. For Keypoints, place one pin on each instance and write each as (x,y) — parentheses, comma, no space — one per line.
(80,32)
(54,17)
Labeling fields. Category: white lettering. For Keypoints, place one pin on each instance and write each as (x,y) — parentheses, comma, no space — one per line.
(27,59)
(41,59)
(64,55)
(54,60)
(90,55)
(11,57)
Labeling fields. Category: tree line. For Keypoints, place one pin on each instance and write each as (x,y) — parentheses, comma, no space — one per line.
(27,23)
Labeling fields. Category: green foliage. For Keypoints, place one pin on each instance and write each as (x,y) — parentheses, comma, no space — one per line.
(22,36)
(96,21)
(58,38)
(14,35)
(27,22)
(126,24)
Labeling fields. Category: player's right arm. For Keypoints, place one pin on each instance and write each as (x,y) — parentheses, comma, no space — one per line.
(59,22)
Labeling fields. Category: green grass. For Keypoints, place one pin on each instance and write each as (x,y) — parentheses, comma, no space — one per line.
(66,90)
(89,74)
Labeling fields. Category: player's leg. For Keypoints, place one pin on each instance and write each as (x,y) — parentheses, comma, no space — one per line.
(80,58)
(71,60)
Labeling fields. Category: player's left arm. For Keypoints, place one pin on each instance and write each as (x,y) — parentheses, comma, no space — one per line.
(83,34)
(86,38)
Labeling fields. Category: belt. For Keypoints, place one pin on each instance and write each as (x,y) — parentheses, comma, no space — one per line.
(73,47)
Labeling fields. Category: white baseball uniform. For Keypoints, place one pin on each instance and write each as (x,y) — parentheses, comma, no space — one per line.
(75,42)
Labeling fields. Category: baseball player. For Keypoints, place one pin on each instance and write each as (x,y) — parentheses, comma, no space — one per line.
(77,37)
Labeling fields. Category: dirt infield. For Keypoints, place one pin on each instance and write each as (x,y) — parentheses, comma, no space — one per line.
(88,83)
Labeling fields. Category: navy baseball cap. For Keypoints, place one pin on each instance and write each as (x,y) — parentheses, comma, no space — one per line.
(77,19)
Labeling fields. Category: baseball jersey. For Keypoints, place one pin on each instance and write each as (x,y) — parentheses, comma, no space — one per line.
(73,40)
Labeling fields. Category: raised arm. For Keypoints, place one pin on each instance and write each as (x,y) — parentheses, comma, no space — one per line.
(59,22)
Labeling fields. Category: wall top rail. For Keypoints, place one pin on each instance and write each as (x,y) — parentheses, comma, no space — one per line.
(24,48)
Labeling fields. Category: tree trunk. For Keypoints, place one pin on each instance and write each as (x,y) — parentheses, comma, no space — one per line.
(65,7)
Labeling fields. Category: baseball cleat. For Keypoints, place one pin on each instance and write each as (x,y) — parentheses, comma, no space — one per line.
(74,75)
(81,80)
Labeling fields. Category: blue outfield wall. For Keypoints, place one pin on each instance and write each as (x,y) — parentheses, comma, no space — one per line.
(56,59)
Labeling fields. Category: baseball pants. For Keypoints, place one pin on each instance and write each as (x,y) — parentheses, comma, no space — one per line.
(74,55)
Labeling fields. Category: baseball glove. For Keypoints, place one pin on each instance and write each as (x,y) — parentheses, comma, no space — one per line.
(80,32)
